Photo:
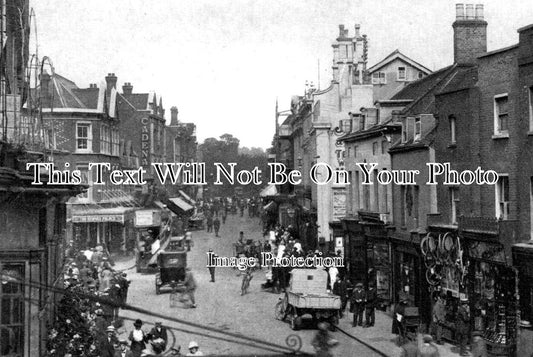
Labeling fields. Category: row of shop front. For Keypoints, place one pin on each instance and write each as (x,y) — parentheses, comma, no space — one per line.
(473,260)
(118,228)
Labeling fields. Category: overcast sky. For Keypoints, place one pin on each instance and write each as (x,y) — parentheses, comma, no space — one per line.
(224,62)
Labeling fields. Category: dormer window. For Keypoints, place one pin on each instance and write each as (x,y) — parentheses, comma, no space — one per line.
(402,74)
(418,129)
(451,119)
(404,131)
(362,122)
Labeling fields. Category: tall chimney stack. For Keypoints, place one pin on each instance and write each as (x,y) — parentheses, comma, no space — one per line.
(341,31)
(357,31)
(111,81)
(174,116)
(127,88)
(469,33)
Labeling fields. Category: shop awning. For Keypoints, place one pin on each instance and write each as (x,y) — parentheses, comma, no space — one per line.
(97,215)
(270,190)
(160,205)
(178,205)
(271,206)
(187,197)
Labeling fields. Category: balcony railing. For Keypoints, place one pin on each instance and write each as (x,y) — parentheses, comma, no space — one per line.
(19,128)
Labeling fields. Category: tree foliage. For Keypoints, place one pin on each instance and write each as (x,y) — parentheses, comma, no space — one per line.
(226,150)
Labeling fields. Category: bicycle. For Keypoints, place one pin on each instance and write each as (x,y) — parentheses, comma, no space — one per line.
(246,282)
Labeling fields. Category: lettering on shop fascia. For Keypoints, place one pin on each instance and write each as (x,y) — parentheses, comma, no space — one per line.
(145,141)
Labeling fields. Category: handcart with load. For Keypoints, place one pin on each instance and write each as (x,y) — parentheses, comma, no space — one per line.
(307,295)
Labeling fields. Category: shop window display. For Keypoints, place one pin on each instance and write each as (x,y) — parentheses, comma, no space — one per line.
(493,303)
(378,261)
(407,277)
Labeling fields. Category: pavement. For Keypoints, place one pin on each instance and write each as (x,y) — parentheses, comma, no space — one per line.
(222,308)
(380,337)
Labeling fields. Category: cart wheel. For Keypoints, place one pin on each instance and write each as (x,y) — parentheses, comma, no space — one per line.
(335,319)
(296,322)
(281,310)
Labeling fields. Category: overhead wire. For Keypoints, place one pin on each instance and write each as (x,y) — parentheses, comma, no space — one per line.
(265,345)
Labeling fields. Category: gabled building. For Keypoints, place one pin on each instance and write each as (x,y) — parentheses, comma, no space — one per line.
(83,127)
(393,73)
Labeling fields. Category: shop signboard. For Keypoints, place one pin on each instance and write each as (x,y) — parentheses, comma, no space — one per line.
(147,218)
(339,203)
(98,218)
(145,141)
(487,251)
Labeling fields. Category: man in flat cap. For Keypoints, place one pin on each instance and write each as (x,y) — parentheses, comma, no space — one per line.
(357,305)
(463,325)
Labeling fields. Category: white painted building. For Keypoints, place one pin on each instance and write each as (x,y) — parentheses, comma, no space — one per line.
(348,93)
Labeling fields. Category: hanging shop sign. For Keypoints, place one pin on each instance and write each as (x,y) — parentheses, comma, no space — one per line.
(145,141)
(339,203)
(147,218)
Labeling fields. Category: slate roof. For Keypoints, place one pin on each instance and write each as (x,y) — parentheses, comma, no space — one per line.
(422,92)
(465,77)
(138,100)
(425,141)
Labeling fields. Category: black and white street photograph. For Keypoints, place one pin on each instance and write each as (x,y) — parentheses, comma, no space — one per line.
(264,178)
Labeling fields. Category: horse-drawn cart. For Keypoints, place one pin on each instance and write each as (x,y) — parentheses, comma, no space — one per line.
(307,295)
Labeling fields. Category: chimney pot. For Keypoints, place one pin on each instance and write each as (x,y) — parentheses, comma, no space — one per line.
(127,88)
(174,116)
(459,11)
(469,10)
(479,12)
(357,28)
(111,81)
(341,30)
(469,34)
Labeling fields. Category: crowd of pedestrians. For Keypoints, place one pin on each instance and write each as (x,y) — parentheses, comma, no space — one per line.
(84,319)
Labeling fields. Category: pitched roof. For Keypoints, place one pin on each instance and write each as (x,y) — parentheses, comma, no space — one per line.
(387,125)
(422,92)
(465,77)
(139,100)
(425,141)
(396,54)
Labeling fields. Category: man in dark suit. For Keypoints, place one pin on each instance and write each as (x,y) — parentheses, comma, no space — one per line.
(370,305)
(357,305)
(107,343)
(123,350)
(339,288)
(159,332)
